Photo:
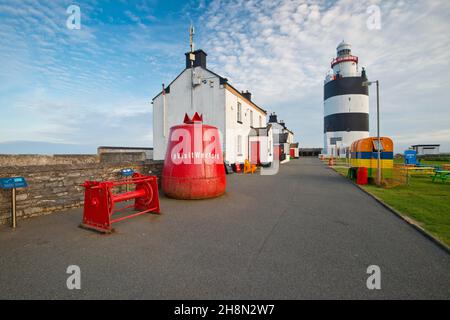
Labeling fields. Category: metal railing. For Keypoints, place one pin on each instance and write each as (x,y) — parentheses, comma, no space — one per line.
(343,59)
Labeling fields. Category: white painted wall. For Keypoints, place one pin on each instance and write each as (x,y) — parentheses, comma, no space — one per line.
(218,106)
(290,137)
(346,69)
(427,150)
(278,129)
(347,139)
(346,103)
(235,129)
(266,146)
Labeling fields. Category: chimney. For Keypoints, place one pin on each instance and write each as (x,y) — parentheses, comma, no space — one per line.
(273,118)
(282,123)
(199,61)
(247,95)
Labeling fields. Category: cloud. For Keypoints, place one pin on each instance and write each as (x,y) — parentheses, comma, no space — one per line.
(281,51)
(95,84)
(89,85)
(60,120)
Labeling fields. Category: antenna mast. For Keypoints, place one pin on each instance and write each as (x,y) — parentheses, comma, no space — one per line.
(191,37)
(192,58)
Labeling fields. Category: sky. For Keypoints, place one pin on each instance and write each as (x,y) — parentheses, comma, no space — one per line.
(70,90)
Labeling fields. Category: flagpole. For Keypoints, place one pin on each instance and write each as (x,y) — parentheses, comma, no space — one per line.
(164,111)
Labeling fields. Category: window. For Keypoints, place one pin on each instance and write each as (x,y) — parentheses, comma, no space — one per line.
(239,145)
(239,112)
(251,118)
(334,140)
(377,145)
(260,122)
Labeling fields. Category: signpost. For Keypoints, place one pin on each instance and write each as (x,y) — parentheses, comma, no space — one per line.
(366,84)
(13,183)
(127,173)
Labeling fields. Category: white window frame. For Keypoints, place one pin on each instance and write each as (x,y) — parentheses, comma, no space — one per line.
(239,145)
(239,112)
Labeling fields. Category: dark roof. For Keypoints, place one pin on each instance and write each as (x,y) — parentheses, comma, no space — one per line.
(282,138)
(288,130)
(258,132)
(224,80)
(425,145)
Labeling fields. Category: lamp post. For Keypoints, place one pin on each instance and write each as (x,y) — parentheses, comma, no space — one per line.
(367,84)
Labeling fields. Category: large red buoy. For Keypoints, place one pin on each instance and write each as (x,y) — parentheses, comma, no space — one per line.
(193,167)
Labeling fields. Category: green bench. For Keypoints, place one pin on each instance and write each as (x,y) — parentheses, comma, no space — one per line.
(441,174)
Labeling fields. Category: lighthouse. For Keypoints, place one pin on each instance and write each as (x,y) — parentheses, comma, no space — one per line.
(346,103)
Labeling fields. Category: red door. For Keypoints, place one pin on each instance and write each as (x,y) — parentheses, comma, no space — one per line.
(255,153)
(277,152)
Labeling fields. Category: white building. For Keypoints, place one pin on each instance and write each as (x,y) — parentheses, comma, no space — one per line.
(197,89)
(425,149)
(282,137)
(261,145)
(346,103)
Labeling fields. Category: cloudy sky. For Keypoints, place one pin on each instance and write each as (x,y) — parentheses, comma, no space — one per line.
(71,90)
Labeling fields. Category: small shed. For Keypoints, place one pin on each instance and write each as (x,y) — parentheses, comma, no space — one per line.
(426,149)
(260,145)
(294,152)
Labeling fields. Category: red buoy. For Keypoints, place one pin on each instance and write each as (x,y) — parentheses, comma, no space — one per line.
(193,166)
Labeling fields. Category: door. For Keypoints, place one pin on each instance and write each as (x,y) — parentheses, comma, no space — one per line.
(255,147)
(277,152)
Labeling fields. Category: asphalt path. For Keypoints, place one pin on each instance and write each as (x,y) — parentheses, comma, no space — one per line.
(304,233)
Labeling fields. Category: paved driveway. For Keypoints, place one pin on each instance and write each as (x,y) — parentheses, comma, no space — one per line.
(304,233)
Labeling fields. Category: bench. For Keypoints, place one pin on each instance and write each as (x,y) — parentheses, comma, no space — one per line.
(441,174)
(428,170)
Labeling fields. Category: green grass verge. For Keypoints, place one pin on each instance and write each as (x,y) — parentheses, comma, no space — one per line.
(427,203)
(434,162)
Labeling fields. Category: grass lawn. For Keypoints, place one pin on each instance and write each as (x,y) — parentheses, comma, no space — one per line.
(425,162)
(425,202)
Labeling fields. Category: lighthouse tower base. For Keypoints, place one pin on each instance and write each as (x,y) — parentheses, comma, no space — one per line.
(337,144)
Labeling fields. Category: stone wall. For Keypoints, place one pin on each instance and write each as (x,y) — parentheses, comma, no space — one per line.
(122,157)
(56,187)
(7,160)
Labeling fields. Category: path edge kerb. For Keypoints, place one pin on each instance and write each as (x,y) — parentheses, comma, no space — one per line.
(403,217)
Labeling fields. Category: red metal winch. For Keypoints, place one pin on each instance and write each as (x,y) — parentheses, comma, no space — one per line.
(99,201)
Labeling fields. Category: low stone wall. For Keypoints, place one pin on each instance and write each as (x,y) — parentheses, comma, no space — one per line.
(7,160)
(122,157)
(56,187)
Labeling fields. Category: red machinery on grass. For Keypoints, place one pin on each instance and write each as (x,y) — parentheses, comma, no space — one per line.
(100,201)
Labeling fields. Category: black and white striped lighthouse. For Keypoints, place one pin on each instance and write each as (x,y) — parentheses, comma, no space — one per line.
(346,103)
